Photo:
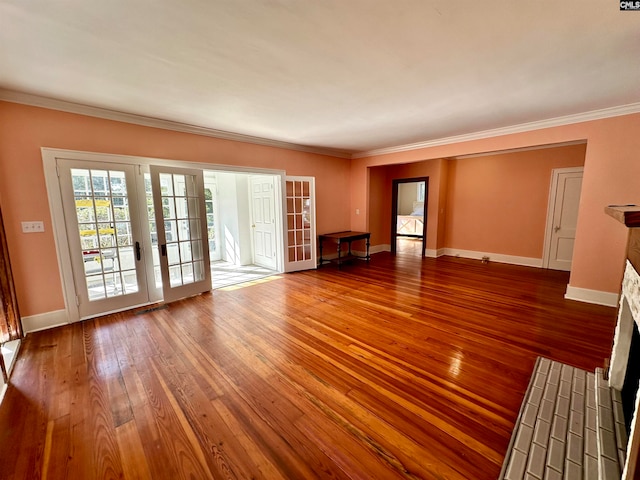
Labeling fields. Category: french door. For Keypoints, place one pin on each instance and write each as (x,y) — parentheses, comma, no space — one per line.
(100,202)
(300,224)
(127,238)
(181,227)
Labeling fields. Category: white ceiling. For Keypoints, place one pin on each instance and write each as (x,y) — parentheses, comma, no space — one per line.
(353,75)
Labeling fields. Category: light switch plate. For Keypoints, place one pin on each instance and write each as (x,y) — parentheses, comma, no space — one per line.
(32,227)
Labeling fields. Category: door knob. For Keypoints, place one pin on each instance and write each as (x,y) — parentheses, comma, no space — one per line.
(556,228)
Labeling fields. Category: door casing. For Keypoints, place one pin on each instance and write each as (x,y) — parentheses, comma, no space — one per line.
(394,211)
(49,157)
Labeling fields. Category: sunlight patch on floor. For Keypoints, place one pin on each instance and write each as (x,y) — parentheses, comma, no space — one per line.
(250,283)
(224,274)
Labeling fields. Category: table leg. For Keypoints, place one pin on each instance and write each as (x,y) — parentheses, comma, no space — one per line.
(367,243)
(321,259)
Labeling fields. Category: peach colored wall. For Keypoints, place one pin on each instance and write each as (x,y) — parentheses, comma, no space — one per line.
(23,194)
(431,169)
(379,206)
(498,203)
(612,170)
(442,203)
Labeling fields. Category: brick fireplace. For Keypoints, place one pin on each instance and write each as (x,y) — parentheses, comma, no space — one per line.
(624,370)
(583,425)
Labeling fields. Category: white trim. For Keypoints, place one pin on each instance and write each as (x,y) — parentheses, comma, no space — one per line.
(44,321)
(61,241)
(496,132)
(596,297)
(551,205)
(3,390)
(51,154)
(70,107)
(10,356)
(493,257)
(384,247)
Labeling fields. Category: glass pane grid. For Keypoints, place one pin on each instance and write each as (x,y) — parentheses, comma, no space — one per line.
(181,212)
(104,225)
(298,220)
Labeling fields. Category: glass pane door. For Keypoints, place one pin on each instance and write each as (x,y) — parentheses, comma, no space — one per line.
(100,206)
(301,223)
(181,226)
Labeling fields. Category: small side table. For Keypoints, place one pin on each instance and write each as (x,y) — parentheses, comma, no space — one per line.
(341,238)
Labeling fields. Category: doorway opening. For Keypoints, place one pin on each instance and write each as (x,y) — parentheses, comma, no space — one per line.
(242,226)
(130,230)
(409,216)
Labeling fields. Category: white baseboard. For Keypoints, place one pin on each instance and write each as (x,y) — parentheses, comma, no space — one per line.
(384,247)
(10,354)
(493,257)
(597,297)
(454,252)
(44,321)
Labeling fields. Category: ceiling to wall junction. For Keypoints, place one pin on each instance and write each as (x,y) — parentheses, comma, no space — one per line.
(353,76)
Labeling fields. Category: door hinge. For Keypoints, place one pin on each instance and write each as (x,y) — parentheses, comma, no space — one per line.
(57,170)
(77,300)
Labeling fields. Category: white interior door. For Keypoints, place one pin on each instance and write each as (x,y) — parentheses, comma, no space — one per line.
(181,225)
(100,203)
(300,225)
(565,201)
(264,221)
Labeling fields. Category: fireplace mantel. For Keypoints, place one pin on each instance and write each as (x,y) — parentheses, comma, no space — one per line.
(627,214)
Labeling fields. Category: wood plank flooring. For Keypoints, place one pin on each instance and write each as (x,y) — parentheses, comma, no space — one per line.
(401,368)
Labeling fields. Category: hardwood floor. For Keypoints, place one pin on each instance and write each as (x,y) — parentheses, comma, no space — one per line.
(402,368)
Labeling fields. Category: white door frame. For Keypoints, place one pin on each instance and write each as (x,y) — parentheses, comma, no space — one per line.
(555,175)
(49,157)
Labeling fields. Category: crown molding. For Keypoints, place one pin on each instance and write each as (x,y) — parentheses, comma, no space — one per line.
(521,128)
(70,107)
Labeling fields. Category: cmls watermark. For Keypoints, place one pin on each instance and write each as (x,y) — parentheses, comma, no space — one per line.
(629,5)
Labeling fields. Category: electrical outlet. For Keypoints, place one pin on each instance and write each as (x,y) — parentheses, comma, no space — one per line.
(32,227)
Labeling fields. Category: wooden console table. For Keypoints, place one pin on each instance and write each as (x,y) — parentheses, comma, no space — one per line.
(341,238)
